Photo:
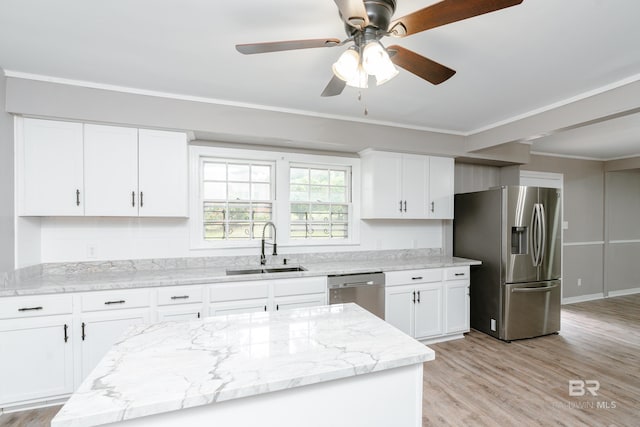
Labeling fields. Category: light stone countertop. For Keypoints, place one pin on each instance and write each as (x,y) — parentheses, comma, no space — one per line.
(216,359)
(105,280)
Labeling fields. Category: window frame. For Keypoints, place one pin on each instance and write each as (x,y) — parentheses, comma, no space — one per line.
(281,205)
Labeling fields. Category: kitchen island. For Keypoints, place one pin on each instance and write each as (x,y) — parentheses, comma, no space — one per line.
(328,365)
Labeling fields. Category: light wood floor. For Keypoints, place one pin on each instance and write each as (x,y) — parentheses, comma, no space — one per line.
(481,381)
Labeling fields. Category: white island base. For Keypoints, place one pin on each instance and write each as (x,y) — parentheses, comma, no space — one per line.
(380,399)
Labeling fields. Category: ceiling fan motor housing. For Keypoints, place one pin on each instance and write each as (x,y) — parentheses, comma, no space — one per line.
(379,13)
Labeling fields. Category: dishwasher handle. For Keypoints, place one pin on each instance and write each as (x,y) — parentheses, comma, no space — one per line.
(353,284)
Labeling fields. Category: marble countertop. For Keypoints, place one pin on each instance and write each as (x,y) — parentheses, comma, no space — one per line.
(92,281)
(175,365)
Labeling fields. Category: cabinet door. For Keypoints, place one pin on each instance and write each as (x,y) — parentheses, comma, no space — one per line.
(399,308)
(111,170)
(456,306)
(238,307)
(100,330)
(381,185)
(36,360)
(428,311)
(50,169)
(299,301)
(441,174)
(162,166)
(414,186)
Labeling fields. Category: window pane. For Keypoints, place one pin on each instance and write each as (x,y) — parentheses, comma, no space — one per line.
(319,213)
(262,212)
(214,231)
(239,173)
(215,171)
(260,173)
(239,230)
(298,231)
(238,191)
(338,194)
(215,190)
(339,215)
(239,212)
(260,192)
(214,212)
(319,194)
(319,177)
(257,232)
(299,211)
(339,231)
(338,177)
(299,176)
(297,196)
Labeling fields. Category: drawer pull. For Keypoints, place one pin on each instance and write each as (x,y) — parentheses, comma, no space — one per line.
(459,274)
(30,308)
(114,302)
(180,297)
(417,278)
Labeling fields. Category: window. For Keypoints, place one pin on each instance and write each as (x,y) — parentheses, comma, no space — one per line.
(320,201)
(237,198)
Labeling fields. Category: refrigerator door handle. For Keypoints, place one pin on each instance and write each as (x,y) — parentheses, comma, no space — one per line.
(543,230)
(532,239)
(541,289)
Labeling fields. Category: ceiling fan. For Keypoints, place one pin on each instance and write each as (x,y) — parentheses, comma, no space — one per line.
(368,21)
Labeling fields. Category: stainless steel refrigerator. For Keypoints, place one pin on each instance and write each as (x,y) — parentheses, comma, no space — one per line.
(515,232)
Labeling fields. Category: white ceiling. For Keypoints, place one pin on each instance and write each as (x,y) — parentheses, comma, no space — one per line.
(509,63)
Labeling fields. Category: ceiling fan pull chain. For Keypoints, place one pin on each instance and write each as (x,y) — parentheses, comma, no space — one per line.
(366,112)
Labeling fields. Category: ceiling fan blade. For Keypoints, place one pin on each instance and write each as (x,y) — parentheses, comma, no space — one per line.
(422,67)
(353,12)
(445,12)
(335,87)
(252,48)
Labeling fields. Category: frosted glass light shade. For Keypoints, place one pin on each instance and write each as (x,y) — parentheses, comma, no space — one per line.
(346,67)
(360,79)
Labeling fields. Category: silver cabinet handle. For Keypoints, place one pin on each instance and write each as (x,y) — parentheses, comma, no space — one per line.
(180,297)
(133,199)
(77,197)
(30,308)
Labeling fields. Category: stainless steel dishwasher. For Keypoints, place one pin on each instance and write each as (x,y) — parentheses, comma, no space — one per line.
(364,289)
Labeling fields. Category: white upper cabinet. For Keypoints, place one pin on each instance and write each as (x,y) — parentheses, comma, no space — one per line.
(51,171)
(441,174)
(74,169)
(111,170)
(408,186)
(163,171)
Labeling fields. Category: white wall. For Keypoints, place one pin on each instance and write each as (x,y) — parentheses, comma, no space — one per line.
(70,239)
(6,183)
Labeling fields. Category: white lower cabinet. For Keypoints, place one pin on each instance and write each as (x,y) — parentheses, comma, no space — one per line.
(105,317)
(180,303)
(238,306)
(299,301)
(36,348)
(36,358)
(428,304)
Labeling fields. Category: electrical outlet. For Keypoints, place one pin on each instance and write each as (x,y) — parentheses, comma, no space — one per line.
(565,225)
(92,251)
(493,325)
(579,282)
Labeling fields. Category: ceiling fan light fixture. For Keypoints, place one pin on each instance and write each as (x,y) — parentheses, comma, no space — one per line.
(388,72)
(376,62)
(346,67)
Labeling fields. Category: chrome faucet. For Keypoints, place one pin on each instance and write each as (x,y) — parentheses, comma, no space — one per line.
(263,258)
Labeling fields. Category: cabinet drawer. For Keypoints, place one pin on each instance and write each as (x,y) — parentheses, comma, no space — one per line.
(301,286)
(239,291)
(394,278)
(457,273)
(179,295)
(30,306)
(109,300)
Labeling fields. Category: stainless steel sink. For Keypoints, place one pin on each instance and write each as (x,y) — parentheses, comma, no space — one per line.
(266,269)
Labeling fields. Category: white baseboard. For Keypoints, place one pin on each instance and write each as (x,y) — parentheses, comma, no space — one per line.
(442,339)
(582,298)
(35,404)
(623,292)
